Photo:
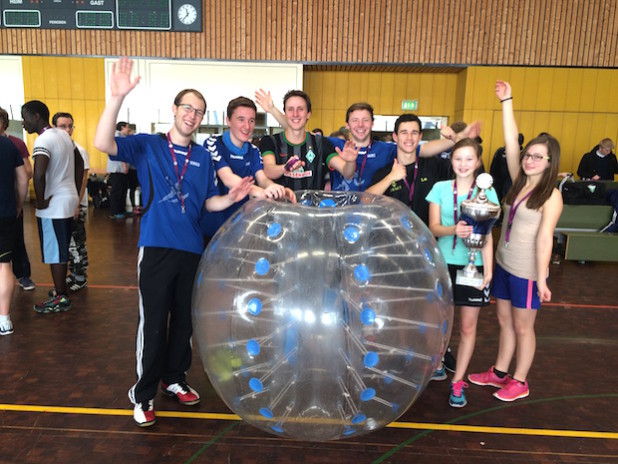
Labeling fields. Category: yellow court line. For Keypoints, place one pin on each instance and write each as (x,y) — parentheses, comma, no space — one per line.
(398,425)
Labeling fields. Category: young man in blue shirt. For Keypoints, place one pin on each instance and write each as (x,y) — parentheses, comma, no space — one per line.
(178,181)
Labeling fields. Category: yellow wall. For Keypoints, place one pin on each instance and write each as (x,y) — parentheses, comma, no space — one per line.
(332,92)
(578,106)
(73,85)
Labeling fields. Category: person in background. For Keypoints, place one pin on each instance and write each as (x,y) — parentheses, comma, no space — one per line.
(78,253)
(13,186)
(531,208)
(58,174)
(20,260)
(600,163)
(118,179)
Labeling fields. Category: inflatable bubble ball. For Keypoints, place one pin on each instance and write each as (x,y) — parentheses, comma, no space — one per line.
(323,319)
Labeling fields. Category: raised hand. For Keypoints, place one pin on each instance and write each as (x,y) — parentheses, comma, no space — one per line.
(349,152)
(120,79)
(503,90)
(264,100)
(472,131)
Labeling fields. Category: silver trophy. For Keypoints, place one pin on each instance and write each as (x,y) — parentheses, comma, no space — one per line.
(481,214)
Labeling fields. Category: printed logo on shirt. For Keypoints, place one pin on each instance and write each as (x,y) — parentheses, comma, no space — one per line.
(195,163)
(236,157)
(424,179)
(299,174)
(310,156)
(395,187)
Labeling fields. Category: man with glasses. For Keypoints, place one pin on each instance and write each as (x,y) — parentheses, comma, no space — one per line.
(178,183)
(78,254)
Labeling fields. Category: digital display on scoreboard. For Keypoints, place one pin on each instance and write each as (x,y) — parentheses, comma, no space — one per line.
(150,15)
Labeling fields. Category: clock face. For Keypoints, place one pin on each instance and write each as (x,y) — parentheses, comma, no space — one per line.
(187,14)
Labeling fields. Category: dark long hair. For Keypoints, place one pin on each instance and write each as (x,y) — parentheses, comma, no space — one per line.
(543,190)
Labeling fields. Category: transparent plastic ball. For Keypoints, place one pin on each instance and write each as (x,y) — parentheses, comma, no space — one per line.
(323,319)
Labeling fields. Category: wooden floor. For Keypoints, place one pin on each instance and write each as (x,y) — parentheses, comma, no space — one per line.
(65,377)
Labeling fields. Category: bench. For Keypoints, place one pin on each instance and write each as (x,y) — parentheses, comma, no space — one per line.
(578,229)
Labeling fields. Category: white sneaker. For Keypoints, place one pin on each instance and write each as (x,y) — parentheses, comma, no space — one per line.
(6,328)
(144,413)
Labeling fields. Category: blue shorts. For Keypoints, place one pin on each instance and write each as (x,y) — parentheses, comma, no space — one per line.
(522,293)
(55,236)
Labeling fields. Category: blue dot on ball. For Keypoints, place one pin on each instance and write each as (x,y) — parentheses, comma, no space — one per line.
(359,418)
(367,394)
(327,203)
(261,266)
(427,255)
(277,428)
(256,384)
(267,413)
(199,278)
(368,316)
(371,359)
(362,274)
(254,306)
(406,223)
(440,290)
(253,347)
(351,234)
(274,230)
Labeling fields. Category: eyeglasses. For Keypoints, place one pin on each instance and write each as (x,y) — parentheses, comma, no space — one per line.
(190,109)
(534,157)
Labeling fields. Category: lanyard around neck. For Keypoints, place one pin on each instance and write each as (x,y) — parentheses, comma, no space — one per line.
(456,208)
(411,186)
(181,176)
(512,212)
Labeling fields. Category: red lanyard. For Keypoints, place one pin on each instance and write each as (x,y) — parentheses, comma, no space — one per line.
(411,187)
(512,212)
(184,169)
(362,168)
(456,208)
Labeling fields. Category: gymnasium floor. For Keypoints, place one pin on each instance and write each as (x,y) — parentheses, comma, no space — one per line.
(65,378)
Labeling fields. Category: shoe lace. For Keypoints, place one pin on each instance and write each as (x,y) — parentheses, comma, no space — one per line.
(458,387)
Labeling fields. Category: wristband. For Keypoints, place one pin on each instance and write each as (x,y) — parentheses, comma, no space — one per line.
(506,99)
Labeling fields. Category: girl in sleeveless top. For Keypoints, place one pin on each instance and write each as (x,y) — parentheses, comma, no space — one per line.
(445,222)
(532,208)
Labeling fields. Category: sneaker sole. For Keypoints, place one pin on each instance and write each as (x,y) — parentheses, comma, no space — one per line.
(439,379)
(6,332)
(508,400)
(145,424)
(456,405)
(76,287)
(27,289)
(55,309)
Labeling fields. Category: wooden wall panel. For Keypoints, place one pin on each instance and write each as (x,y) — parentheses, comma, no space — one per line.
(429,32)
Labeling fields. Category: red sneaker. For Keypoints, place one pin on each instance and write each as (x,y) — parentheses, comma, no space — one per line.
(183,393)
(489,378)
(144,414)
(512,391)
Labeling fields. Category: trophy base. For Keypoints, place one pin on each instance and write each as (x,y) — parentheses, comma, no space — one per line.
(475,280)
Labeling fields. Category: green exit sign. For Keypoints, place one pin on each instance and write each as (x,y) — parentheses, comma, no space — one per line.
(409,105)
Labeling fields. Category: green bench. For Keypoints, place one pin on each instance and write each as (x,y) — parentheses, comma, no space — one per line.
(578,228)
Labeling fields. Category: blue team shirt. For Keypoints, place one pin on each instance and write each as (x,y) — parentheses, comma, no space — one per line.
(244,161)
(164,225)
(374,157)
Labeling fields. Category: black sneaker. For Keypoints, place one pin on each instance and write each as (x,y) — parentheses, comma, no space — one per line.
(75,285)
(449,361)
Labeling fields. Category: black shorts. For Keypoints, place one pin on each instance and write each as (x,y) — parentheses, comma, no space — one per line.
(464,295)
(8,228)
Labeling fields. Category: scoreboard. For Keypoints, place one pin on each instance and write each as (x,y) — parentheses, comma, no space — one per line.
(152,15)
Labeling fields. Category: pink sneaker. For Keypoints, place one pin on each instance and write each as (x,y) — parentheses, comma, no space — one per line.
(512,391)
(489,378)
